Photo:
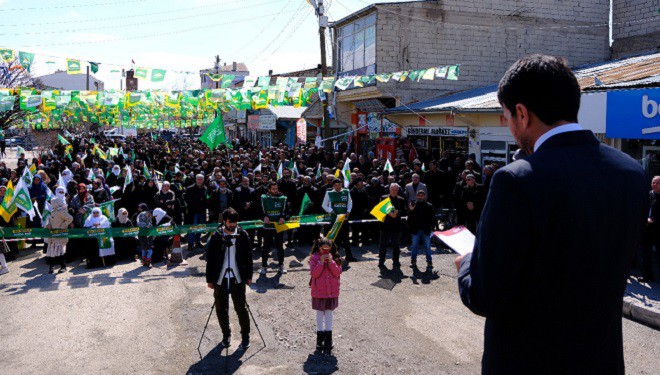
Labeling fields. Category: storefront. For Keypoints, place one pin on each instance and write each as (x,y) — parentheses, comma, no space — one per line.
(633,116)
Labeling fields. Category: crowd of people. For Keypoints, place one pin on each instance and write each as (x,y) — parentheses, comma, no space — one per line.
(181,181)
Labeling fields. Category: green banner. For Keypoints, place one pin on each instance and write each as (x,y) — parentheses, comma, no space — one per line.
(135,231)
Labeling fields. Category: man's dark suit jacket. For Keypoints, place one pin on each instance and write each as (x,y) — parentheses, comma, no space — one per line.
(552,255)
(216,256)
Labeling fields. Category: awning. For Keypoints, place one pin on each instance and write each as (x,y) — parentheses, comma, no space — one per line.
(287,112)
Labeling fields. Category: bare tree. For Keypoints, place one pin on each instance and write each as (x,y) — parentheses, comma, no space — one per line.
(12,75)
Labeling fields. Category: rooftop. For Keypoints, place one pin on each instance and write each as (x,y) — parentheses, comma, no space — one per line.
(632,72)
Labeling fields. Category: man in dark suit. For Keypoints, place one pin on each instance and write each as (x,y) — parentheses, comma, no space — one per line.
(556,240)
(229,261)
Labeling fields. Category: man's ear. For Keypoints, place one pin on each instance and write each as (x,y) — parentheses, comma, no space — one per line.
(523,116)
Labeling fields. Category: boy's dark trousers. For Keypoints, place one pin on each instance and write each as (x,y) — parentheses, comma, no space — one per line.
(271,237)
(237,292)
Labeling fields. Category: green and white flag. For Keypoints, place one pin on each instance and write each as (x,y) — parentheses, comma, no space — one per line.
(7,103)
(140,73)
(73,66)
(279,171)
(48,210)
(108,210)
(21,195)
(25,59)
(145,172)
(19,151)
(306,202)
(90,175)
(62,140)
(157,75)
(214,135)
(388,166)
(7,54)
(346,172)
(453,72)
(423,167)
(129,178)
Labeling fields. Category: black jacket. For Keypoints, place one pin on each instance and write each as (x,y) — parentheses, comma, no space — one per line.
(216,256)
(394,224)
(422,217)
(552,256)
(195,198)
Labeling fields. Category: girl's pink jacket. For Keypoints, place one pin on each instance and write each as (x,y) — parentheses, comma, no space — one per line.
(325,277)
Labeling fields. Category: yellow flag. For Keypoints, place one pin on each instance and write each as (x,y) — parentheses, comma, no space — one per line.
(6,210)
(382,209)
(337,173)
(334,231)
(287,225)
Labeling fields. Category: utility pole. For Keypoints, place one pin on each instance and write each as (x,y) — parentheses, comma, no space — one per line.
(217,69)
(323,23)
(87,85)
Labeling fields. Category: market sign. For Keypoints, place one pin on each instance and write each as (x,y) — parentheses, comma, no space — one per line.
(633,114)
(436,131)
(267,122)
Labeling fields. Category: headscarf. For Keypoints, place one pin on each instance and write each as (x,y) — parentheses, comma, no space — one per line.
(101,220)
(60,192)
(159,214)
(122,215)
(66,175)
(58,204)
(82,196)
(44,176)
(116,170)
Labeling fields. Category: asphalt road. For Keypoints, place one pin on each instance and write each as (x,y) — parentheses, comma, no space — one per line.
(129,319)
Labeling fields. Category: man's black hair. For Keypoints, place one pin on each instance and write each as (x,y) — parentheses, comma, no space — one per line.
(270,184)
(545,85)
(230,214)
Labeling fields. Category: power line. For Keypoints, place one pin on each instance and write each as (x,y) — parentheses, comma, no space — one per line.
(148,35)
(140,23)
(293,30)
(262,30)
(122,16)
(72,6)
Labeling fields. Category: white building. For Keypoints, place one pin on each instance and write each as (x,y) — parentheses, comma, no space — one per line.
(60,80)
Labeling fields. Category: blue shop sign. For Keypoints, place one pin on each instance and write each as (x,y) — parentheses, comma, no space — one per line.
(633,114)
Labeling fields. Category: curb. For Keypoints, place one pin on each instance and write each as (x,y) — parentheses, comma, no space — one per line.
(642,304)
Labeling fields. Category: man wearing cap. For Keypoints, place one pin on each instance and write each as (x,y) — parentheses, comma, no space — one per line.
(473,198)
(195,197)
(337,202)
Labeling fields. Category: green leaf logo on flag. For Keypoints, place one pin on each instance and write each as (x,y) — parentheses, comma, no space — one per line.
(26,59)
(157,75)
(73,66)
(140,73)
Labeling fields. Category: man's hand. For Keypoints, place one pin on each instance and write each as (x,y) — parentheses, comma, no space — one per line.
(650,221)
(266,220)
(210,285)
(393,214)
(281,221)
(457,262)
(470,206)
(248,283)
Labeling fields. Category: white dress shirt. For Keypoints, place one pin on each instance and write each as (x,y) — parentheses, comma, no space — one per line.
(572,127)
(230,255)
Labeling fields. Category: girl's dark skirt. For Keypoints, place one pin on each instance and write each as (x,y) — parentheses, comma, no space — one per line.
(322,304)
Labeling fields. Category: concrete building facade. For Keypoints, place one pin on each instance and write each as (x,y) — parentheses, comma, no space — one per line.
(60,80)
(636,27)
(485,38)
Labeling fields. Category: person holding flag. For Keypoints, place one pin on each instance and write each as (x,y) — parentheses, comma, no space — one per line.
(391,225)
(274,209)
(337,201)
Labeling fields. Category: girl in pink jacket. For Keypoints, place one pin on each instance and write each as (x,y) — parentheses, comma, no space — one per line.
(325,267)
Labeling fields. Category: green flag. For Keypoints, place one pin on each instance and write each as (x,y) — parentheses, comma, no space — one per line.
(214,135)
(140,73)
(305,204)
(21,196)
(145,171)
(452,73)
(108,210)
(73,66)
(227,80)
(157,75)
(215,77)
(94,67)
(25,59)
(62,140)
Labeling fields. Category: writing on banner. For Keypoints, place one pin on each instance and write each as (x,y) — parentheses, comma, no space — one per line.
(436,131)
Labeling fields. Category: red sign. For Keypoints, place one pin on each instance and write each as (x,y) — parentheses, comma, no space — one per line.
(253,122)
(450,120)
(422,121)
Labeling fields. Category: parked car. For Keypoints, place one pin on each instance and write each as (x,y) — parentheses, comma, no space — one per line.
(27,143)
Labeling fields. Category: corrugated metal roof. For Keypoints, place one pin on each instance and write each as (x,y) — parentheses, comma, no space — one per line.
(287,112)
(631,72)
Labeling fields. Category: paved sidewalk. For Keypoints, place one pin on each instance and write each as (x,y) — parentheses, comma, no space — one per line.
(641,302)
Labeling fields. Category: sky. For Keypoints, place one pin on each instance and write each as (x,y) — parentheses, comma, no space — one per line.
(183,35)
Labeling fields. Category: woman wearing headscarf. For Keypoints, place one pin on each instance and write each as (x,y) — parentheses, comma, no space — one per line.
(60,192)
(99,192)
(161,243)
(103,254)
(116,179)
(59,219)
(125,247)
(166,199)
(81,203)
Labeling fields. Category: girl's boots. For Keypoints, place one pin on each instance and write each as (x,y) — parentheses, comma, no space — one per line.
(320,335)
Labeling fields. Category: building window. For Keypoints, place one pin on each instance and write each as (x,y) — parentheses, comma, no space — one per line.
(357,44)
